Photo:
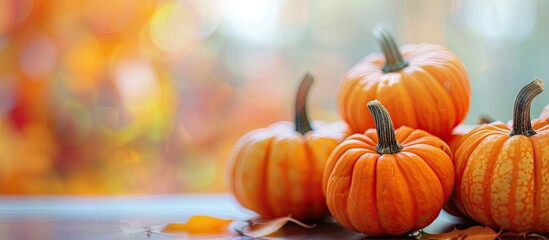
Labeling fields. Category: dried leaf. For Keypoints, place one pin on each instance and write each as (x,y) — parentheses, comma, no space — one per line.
(472,233)
(262,228)
(200,225)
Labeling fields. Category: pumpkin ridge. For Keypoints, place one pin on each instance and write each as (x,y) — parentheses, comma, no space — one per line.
(262,194)
(237,186)
(417,150)
(514,183)
(377,196)
(403,157)
(382,207)
(415,136)
(355,210)
(345,160)
(312,191)
(423,112)
(472,141)
(277,177)
(343,105)
(441,103)
(338,151)
(512,189)
(443,93)
(487,174)
(402,134)
(261,205)
(540,140)
(538,157)
(396,98)
(237,162)
(351,116)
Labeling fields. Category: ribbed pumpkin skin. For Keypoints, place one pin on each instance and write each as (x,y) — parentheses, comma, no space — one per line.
(277,171)
(453,142)
(432,93)
(503,181)
(389,194)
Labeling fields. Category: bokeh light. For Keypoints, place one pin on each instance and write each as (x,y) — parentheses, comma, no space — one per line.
(137,83)
(508,20)
(38,56)
(252,20)
(174,27)
(107,17)
(13,12)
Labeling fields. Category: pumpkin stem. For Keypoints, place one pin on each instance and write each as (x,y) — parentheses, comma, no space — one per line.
(394,59)
(387,143)
(521,113)
(302,123)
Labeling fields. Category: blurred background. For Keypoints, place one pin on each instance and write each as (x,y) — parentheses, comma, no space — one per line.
(131,97)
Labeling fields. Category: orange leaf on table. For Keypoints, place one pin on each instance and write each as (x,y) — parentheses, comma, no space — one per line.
(262,228)
(472,233)
(199,224)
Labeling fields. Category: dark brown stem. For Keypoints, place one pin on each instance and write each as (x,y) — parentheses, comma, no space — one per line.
(387,143)
(302,123)
(521,113)
(394,60)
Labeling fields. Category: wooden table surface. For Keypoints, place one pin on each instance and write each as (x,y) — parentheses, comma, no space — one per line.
(100,217)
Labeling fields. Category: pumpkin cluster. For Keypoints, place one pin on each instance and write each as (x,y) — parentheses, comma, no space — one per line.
(400,154)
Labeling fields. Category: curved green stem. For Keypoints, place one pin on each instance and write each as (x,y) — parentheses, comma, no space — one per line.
(521,112)
(302,123)
(387,143)
(394,59)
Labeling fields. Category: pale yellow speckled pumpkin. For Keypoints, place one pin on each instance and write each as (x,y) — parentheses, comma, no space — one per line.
(502,172)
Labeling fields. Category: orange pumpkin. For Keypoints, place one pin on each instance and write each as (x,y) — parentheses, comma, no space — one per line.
(502,172)
(277,171)
(422,86)
(387,182)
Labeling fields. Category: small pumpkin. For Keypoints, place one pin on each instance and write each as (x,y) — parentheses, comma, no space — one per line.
(277,171)
(502,171)
(387,182)
(422,86)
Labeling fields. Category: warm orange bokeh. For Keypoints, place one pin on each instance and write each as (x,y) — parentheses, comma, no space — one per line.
(92,104)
